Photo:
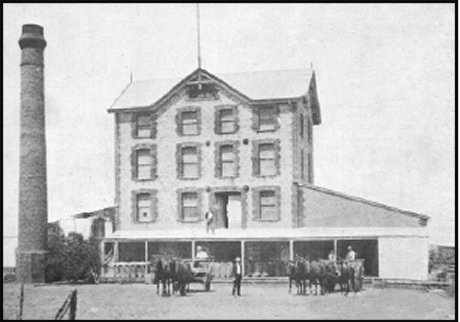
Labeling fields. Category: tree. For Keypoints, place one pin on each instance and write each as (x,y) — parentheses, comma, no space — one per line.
(72,258)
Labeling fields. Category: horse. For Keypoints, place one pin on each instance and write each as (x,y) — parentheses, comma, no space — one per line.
(163,268)
(351,276)
(346,277)
(182,276)
(297,271)
(331,276)
(316,276)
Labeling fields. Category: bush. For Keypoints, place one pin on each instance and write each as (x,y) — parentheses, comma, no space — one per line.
(71,258)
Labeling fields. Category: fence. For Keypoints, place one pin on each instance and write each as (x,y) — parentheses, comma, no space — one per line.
(69,305)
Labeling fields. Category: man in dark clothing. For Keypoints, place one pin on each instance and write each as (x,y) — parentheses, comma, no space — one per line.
(237,272)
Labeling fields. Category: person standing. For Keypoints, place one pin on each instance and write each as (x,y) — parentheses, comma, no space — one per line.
(237,272)
(351,255)
(209,216)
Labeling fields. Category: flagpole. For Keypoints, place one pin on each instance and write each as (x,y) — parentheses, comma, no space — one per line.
(198,33)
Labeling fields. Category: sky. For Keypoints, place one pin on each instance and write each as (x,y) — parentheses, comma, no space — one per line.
(385,77)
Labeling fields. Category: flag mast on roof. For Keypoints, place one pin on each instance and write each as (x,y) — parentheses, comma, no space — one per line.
(198,43)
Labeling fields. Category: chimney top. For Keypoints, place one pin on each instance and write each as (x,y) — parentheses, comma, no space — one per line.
(32,37)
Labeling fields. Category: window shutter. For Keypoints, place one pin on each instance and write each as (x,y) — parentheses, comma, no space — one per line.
(278,156)
(134,164)
(255,204)
(217,162)
(255,158)
(153,163)
(179,123)
(133,125)
(179,160)
(154,205)
(153,128)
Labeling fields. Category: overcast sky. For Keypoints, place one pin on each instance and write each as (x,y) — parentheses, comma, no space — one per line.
(385,76)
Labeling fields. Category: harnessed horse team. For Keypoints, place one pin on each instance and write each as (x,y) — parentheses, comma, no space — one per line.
(173,273)
(325,274)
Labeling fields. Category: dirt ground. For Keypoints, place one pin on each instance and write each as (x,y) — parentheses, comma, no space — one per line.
(258,301)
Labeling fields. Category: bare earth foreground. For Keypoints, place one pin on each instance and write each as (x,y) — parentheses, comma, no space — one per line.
(259,301)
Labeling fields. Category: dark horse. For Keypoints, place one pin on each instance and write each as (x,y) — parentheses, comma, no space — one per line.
(332,276)
(182,276)
(351,275)
(163,269)
(297,271)
(317,276)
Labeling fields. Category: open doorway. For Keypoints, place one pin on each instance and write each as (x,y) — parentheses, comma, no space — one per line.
(228,209)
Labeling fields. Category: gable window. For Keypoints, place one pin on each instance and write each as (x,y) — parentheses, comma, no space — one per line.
(189,123)
(189,206)
(189,162)
(144,211)
(267,118)
(227,159)
(267,164)
(227,121)
(144,164)
(143,126)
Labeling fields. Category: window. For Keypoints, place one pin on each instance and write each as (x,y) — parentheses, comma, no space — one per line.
(143,126)
(267,162)
(189,205)
(227,160)
(310,168)
(267,118)
(310,130)
(267,200)
(301,125)
(189,162)
(227,121)
(144,210)
(144,164)
(189,123)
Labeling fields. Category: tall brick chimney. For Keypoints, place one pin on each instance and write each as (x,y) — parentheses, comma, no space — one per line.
(33,211)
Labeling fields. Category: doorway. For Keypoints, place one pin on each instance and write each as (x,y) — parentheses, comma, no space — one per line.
(228,209)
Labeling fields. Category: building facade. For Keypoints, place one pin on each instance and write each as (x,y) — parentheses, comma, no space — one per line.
(240,145)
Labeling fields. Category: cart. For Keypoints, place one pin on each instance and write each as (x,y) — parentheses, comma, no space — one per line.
(201,272)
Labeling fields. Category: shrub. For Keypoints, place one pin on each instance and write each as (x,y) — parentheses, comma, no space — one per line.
(71,258)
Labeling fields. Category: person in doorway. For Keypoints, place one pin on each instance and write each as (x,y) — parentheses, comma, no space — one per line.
(237,273)
(209,216)
(351,255)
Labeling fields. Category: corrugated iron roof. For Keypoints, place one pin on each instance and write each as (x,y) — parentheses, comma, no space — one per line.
(257,85)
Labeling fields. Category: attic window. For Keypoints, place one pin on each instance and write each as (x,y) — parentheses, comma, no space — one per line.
(203,90)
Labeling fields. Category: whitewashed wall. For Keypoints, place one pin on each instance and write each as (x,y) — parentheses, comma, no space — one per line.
(403,257)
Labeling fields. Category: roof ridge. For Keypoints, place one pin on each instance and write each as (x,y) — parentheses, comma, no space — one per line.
(306,69)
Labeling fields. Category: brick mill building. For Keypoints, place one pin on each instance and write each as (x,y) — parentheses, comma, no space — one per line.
(242,143)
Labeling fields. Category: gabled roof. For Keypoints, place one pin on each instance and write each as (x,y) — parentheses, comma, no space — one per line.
(253,87)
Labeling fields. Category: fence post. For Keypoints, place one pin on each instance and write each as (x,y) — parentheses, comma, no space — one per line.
(73,305)
(21,301)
